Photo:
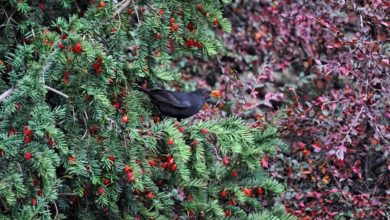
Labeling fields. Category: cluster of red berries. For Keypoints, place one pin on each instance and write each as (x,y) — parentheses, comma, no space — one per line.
(97,66)
(194,43)
(27,134)
(77,48)
(169,163)
(250,192)
(174,26)
(130,173)
(66,77)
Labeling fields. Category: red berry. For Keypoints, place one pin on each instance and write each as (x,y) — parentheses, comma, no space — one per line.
(195,142)
(27,156)
(112,158)
(171,20)
(33,201)
(199,7)
(27,132)
(152,163)
(215,22)
(199,45)
(173,167)
(130,177)
(161,11)
(228,213)
(99,60)
(77,48)
(223,194)
(27,139)
(41,6)
(18,106)
(171,141)
(234,173)
(117,105)
(51,142)
(127,169)
(101,4)
(129,11)
(181,129)
(232,202)
(190,27)
(158,36)
(174,27)
(35,182)
(124,119)
(71,159)
(247,192)
(39,193)
(191,214)
(100,190)
(260,191)
(191,42)
(225,160)
(106,181)
(87,167)
(63,36)
(165,165)
(150,195)
(204,131)
(96,66)
(61,46)
(138,161)
(171,161)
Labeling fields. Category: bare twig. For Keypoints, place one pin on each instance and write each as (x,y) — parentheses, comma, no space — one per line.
(56,91)
(353,125)
(122,7)
(6,93)
(55,207)
(136,12)
(12,89)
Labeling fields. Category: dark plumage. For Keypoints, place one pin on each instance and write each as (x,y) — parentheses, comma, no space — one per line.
(178,104)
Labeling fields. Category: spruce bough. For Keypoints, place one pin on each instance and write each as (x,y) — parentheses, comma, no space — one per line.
(78,140)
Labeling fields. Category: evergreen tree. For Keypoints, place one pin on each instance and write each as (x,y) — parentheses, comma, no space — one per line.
(77,139)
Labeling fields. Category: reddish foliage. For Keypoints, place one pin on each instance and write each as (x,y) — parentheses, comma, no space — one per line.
(328,64)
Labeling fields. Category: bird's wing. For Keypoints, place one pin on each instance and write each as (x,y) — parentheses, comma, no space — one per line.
(167,98)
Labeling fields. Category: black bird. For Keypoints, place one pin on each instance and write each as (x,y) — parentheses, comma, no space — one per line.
(178,104)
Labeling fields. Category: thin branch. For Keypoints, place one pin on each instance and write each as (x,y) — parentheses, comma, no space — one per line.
(6,93)
(122,7)
(56,91)
(136,12)
(55,207)
(353,125)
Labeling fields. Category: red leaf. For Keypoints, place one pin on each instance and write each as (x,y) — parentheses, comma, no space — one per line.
(264,162)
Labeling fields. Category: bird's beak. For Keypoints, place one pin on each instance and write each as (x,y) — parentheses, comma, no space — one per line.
(216,93)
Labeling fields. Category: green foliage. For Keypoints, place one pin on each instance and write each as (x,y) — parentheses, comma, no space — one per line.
(77,138)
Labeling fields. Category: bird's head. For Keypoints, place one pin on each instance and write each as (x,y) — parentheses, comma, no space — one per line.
(203,92)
